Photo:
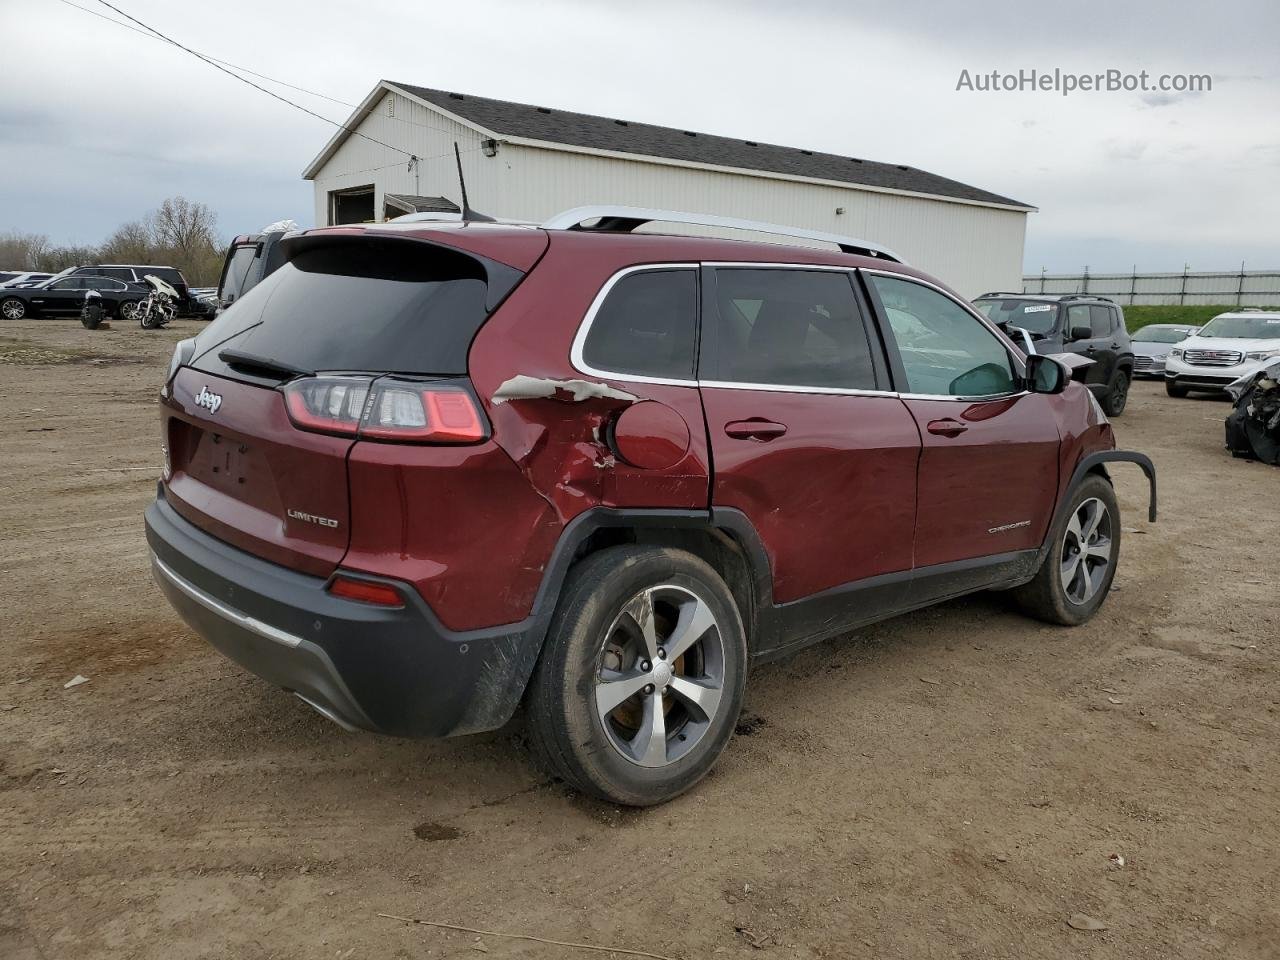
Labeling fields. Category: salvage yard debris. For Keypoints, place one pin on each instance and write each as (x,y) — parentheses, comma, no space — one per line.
(1253,427)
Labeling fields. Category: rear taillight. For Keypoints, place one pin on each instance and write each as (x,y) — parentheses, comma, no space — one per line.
(182,352)
(366,591)
(389,409)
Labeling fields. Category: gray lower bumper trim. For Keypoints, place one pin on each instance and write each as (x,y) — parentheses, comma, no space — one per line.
(221,609)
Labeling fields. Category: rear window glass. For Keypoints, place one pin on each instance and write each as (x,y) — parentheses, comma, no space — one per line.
(374,305)
(646,326)
(238,265)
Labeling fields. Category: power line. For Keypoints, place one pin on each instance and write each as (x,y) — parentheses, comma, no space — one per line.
(225,63)
(258,87)
(155,35)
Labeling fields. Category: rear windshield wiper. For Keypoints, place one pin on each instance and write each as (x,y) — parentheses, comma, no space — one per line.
(238,358)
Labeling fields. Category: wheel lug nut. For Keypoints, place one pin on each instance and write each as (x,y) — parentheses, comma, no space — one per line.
(646,665)
(648,688)
(662,654)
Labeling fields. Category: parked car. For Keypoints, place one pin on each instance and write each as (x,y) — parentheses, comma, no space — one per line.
(1230,346)
(203,302)
(250,258)
(64,296)
(135,273)
(22,280)
(1092,327)
(1151,346)
(603,473)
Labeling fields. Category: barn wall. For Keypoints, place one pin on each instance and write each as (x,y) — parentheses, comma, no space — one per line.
(970,247)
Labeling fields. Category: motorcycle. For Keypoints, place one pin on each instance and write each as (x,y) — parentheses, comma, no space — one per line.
(93,312)
(159,307)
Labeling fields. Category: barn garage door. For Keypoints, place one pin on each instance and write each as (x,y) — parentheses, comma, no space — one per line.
(351,206)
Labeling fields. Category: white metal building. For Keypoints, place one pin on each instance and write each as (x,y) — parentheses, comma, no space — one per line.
(525,162)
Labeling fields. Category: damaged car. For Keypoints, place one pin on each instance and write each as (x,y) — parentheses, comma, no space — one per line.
(425,473)
(1253,426)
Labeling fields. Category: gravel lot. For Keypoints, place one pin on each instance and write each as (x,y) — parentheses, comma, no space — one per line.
(948,784)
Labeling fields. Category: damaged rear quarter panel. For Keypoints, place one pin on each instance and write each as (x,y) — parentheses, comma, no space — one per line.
(553,420)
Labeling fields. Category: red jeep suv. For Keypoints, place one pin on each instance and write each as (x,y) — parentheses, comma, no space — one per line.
(425,472)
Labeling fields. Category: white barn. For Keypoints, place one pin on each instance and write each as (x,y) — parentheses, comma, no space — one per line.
(525,162)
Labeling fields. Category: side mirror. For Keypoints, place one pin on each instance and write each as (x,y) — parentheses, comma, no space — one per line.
(1081,333)
(1046,375)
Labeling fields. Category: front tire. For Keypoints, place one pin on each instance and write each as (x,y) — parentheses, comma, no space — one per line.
(1117,395)
(640,682)
(12,309)
(1076,574)
(1174,389)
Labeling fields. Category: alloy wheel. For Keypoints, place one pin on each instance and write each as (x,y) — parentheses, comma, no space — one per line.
(1085,558)
(13,309)
(661,676)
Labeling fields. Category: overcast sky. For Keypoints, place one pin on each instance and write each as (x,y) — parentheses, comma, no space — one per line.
(99,124)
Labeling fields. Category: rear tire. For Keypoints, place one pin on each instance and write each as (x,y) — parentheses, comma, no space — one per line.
(1117,394)
(1175,389)
(128,310)
(598,717)
(1076,574)
(12,308)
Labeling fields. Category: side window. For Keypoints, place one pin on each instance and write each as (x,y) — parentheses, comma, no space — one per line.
(945,350)
(797,328)
(1078,316)
(1100,321)
(646,326)
(69,283)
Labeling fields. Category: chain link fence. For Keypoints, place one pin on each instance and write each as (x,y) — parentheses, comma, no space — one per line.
(1242,288)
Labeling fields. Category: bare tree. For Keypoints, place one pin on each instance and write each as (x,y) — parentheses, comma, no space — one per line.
(23,251)
(131,243)
(188,227)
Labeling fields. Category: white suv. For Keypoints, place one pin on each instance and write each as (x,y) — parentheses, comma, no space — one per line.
(1229,346)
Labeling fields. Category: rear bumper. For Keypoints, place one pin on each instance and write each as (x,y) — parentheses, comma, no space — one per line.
(393,671)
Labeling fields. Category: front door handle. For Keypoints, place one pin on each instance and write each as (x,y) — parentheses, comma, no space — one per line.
(946,427)
(754,429)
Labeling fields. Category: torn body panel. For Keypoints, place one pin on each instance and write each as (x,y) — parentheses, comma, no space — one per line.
(554,422)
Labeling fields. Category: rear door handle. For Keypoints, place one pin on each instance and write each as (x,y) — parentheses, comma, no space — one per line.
(754,429)
(946,427)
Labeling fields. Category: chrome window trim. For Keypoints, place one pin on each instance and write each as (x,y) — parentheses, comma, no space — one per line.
(576,357)
(221,609)
(580,364)
(1019,364)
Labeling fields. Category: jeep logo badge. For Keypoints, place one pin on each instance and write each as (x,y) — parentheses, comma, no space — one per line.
(206,399)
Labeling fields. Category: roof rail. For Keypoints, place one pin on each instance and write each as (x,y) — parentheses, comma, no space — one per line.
(626,219)
(1005,293)
(1085,296)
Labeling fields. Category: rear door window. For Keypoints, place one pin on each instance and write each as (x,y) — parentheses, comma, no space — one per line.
(796,328)
(389,306)
(1100,321)
(646,326)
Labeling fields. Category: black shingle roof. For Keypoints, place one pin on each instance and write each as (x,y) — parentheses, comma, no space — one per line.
(602,133)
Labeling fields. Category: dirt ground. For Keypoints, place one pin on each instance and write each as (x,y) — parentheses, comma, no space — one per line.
(949,784)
